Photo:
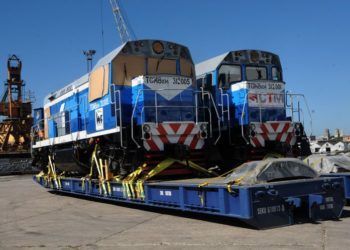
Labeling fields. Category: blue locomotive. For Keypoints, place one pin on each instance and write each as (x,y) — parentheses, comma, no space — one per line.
(138,102)
(249,93)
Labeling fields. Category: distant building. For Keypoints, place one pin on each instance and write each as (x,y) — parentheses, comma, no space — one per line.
(330,144)
(337,133)
(340,147)
(326,148)
(346,138)
(315,147)
(326,134)
(312,138)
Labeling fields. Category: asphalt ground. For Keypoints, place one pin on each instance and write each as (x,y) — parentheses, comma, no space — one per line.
(33,218)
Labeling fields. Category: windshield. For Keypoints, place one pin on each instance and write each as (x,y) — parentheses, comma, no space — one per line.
(276,74)
(256,73)
(229,74)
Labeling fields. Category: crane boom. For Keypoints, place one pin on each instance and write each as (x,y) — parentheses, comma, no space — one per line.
(124,31)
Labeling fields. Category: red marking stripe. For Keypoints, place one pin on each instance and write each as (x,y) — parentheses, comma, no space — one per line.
(152,145)
(275,126)
(265,132)
(289,138)
(187,132)
(286,127)
(163,134)
(194,141)
(175,127)
(256,141)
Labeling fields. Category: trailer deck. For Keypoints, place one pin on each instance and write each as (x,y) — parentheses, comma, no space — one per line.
(261,206)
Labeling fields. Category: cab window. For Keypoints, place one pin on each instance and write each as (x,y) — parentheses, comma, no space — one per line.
(276,74)
(229,74)
(256,73)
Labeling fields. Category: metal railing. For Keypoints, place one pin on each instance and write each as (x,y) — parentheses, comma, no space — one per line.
(118,113)
(225,97)
(156,107)
(294,106)
(242,117)
(295,99)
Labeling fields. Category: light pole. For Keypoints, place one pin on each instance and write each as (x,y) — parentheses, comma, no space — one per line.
(89,54)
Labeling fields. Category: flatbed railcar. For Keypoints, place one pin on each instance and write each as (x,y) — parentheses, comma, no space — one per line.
(261,206)
(136,130)
(332,166)
(346,177)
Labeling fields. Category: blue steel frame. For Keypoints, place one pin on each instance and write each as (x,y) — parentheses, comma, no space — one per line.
(346,177)
(261,206)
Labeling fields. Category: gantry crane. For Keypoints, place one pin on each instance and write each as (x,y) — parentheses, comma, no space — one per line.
(125,31)
(16,112)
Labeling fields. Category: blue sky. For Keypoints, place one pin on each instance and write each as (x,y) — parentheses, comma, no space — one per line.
(311,37)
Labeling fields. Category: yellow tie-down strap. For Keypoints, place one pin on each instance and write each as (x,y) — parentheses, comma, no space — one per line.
(134,186)
(201,193)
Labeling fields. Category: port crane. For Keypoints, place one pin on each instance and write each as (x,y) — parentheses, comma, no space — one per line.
(125,31)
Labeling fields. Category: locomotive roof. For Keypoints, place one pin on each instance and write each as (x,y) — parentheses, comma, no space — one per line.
(102,61)
(214,62)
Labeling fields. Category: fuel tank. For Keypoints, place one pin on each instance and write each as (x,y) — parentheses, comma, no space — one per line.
(69,160)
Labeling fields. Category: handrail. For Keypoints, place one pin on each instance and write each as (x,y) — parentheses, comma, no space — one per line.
(157,107)
(119,115)
(291,106)
(223,111)
(207,93)
(243,114)
(132,119)
(60,115)
(217,114)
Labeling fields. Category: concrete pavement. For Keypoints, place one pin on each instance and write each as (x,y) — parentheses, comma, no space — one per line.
(33,218)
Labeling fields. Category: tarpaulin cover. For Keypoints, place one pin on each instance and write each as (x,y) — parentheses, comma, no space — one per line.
(269,170)
(325,164)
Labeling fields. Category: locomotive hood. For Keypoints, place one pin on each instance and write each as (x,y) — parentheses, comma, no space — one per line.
(241,56)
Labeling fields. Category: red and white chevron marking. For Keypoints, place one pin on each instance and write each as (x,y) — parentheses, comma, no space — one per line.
(174,133)
(273,131)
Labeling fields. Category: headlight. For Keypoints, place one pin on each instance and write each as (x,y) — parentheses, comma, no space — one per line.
(146,128)
(203,127)
(203,134)
(252,127)
(158,47)
(147,136)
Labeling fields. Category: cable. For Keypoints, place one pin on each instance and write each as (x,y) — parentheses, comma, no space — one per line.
(102,29)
